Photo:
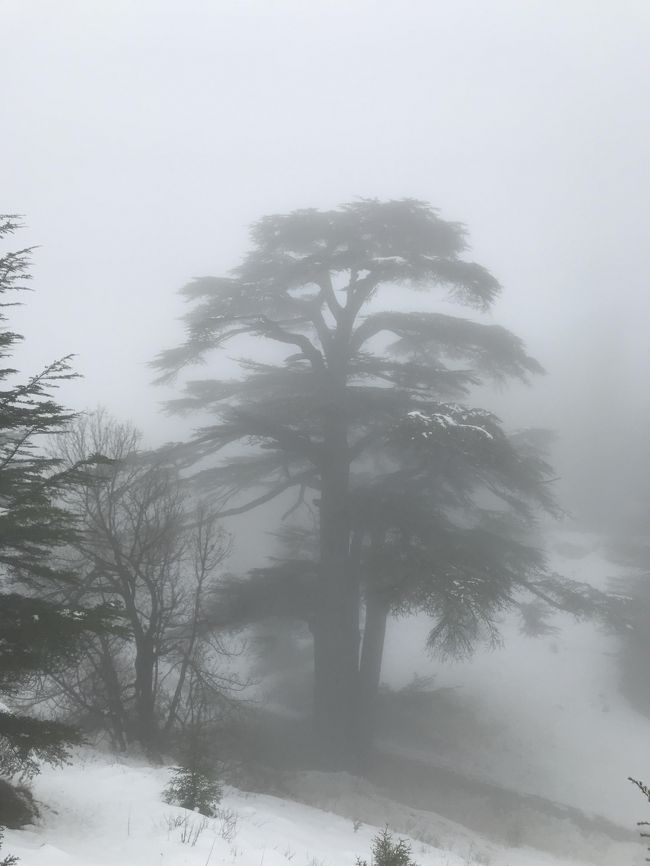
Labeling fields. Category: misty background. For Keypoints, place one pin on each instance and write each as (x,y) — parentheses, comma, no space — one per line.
(141,140)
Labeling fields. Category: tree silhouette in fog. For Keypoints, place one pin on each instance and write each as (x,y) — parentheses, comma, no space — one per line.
(330,418)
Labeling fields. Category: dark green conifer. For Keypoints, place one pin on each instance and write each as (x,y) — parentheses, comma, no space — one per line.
(36,635)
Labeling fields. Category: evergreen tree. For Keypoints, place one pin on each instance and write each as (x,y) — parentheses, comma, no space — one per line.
(632,594)
(195,784)
(387,852)
(318,420)
(195,788)
(36,635)
(449,531)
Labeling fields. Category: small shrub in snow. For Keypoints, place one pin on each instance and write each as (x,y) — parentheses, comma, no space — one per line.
(387,852)
(175,821)
(191,788)
(227,819)
(192,829)
(646,793)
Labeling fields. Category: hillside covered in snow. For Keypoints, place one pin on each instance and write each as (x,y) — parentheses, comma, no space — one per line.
(105,813)
(519,757)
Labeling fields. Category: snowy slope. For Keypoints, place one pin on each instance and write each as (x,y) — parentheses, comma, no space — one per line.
(103,813)
(539,717)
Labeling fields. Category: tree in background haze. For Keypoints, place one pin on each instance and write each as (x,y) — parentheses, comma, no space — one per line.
(449,531)
(315,420)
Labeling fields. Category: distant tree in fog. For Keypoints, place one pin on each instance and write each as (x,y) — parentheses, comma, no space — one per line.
(320,419)
(632,593)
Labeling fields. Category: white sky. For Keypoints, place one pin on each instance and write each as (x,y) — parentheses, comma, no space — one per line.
(141,137)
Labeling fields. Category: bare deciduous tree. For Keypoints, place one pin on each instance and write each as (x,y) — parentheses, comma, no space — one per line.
(145,546)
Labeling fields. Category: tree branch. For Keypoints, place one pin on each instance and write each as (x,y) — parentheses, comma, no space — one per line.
(274,331)
(266,497)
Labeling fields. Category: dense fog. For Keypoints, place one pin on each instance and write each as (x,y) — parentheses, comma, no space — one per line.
(143,138)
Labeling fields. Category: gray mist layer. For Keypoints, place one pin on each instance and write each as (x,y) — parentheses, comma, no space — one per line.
(141,139)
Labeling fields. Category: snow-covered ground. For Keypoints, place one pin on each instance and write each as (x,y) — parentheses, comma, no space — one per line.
(540,716)
(103,813)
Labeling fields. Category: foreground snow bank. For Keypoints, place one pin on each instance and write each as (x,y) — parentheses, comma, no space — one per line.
(100,813)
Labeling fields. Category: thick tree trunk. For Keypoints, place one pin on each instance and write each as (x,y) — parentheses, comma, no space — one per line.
(372,652)
(113,688)
(336,625)
(146,726)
